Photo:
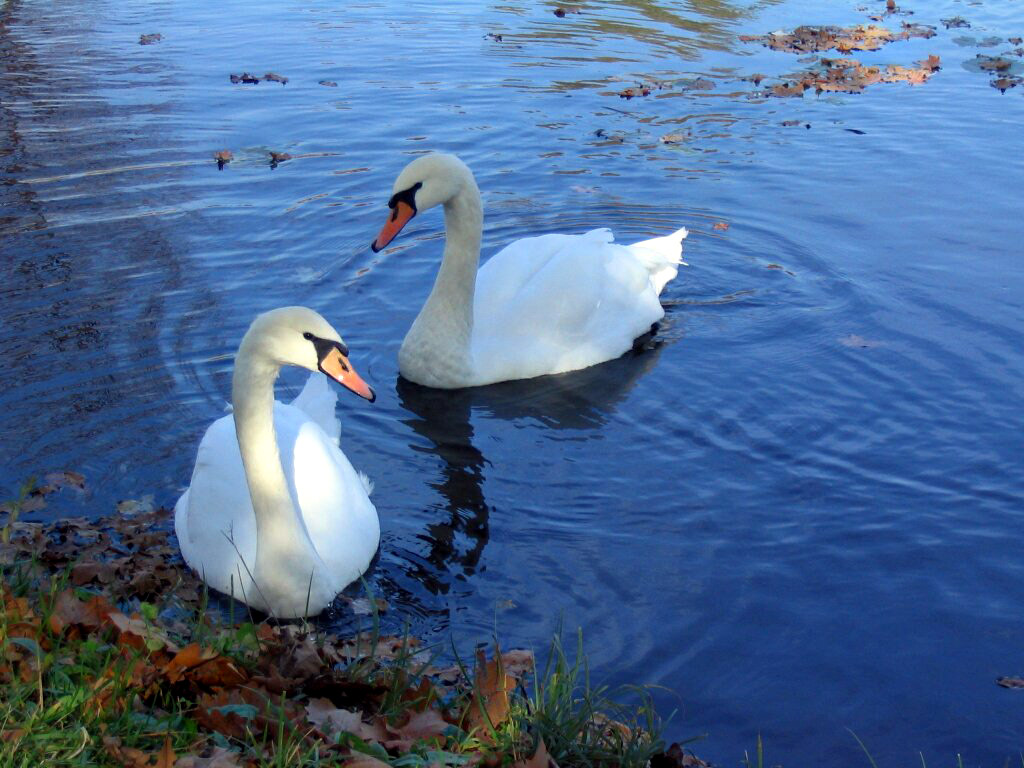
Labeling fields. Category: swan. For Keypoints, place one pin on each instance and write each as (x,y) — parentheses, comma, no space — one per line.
(541,305)
(275,515)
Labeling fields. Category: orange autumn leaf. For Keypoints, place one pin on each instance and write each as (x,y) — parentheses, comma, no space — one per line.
(166,758)
(489,706)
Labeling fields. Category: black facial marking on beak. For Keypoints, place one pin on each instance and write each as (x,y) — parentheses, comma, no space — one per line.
(407,196)
(323,347)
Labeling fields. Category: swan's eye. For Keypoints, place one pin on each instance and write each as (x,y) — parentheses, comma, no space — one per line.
(307,336)
(407,196)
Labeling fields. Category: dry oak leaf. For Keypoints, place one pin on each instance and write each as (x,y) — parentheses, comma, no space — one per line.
(66,479)
(489,704)
(1010,682)
(129,757)
(166,758)
(330,720)
(428,725)
(69,611)
(134,631)
(204,666)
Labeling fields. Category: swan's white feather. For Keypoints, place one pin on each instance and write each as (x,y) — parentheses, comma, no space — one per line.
(214,518)
(319,400)
(557,303)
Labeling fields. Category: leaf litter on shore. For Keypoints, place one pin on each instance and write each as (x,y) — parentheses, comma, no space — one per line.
(118,583)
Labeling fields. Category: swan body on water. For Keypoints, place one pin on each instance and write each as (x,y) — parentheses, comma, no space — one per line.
(275,514)
(541,305)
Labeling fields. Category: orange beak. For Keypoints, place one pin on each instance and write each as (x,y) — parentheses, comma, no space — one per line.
(337,366)
(400,216)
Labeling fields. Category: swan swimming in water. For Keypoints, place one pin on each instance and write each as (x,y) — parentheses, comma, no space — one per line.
(275,514)
(541,305)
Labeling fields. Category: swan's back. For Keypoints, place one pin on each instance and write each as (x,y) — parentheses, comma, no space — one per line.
(557,303)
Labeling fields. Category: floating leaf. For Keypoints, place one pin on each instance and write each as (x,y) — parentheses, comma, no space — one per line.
(223,157)
(955,22)
(151,38)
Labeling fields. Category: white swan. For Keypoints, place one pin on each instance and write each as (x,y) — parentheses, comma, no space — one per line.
(541,305)
(275,514)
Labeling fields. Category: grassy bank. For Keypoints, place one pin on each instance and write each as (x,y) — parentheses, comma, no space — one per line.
(111,657)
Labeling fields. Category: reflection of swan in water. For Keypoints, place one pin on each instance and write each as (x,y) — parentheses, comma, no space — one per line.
(578,400)
(442,416)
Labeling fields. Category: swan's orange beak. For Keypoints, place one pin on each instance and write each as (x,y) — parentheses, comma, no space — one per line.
(400,216)
(337,366)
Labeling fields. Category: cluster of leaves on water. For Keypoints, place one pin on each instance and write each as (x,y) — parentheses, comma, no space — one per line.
(814,39)
(110,656)
(249,79)
(844,75)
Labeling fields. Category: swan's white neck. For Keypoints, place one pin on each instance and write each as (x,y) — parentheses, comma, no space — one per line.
(281,538)
(438,345)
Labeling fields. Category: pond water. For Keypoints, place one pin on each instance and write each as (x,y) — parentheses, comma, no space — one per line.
(797,509)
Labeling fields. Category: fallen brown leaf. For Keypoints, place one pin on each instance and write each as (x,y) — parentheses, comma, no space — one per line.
(721,225)
(955,22)
(66,479)
(166,758)
(427,725)
(330,720)
(1010,682)
(489,705)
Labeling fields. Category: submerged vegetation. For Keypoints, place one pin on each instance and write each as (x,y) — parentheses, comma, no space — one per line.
(111,655)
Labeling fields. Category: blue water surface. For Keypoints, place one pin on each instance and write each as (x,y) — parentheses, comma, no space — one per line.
(797,509)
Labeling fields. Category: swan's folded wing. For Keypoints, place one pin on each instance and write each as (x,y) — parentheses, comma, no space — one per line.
(578,300)
(336,510)
(218,532)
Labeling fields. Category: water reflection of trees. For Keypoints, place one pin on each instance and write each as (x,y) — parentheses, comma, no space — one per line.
(682,30)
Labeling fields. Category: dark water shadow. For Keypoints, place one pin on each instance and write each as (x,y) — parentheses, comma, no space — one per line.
(581,400)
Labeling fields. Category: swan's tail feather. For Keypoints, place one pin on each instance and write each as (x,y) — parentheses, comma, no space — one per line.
(662,256)
(367,483)
(318,400)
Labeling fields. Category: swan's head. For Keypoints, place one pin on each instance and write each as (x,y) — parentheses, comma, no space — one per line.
(301,337)
(427,181)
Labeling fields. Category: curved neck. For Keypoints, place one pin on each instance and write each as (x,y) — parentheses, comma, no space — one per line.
(443,329)
(252,395)
(452,295)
